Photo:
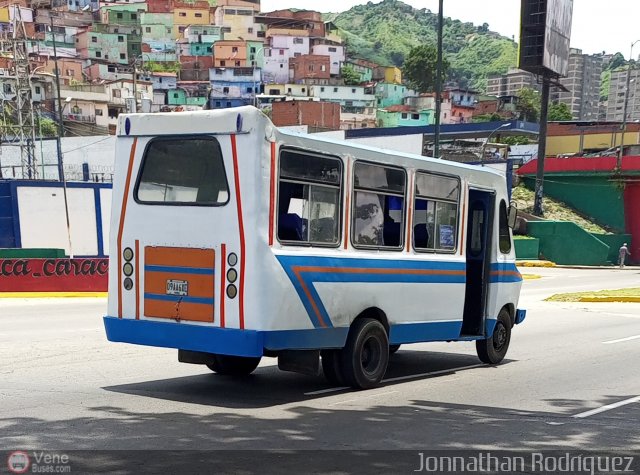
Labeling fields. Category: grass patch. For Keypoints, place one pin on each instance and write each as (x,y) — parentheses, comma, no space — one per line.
(619,295)
(554,210)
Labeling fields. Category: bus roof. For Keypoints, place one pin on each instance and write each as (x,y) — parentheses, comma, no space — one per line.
(240,120)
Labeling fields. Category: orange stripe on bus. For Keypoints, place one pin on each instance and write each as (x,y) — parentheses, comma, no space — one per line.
(234,151)
(367,270)
(272,192)
(346,219)
(410,215)
(137,272)
(123,210)
(223,281)
(316,310)
(179,256)
(464,220)
(191,312)
(199,285)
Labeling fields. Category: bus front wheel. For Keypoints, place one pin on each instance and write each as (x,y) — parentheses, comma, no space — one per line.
(493,349)
(366,354)
(233,365)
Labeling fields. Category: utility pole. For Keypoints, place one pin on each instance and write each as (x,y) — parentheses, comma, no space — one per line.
(436,140)
(25,130)
(542,145)
(624,110)
(60,135)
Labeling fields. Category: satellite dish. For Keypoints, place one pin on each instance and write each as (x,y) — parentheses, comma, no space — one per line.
(86,7)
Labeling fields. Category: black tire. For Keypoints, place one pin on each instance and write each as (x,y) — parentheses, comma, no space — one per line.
(234,365)
(331,367)
(493,349)
(393,349)
(366,354)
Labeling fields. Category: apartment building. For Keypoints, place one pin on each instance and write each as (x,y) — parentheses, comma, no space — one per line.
(618,94)
(509,84)
(583,85)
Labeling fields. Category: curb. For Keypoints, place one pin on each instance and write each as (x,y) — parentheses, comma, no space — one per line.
(526,263)
(18,295)
(611,299)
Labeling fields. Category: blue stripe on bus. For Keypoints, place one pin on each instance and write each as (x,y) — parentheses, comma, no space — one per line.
(178,298)
(305,271)
(179,270)
(504,272)
(233,341)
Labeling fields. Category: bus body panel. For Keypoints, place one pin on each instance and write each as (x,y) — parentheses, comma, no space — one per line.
(288,297)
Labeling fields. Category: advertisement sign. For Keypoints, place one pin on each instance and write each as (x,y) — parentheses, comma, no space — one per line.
(545,35)
(557,36)
(54,275)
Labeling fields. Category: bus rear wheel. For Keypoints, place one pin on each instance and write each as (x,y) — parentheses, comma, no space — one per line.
(494,349)
(233,365)
(366,354)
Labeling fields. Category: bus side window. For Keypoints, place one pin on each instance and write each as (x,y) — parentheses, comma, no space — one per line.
(378,206)
(309,194)
(435,216)
(505,236)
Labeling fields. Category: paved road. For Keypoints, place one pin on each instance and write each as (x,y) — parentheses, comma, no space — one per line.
(63,386)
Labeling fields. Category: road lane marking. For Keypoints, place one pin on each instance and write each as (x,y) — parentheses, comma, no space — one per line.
(399,378)
(629,338)
(433,373)
(608,407)
(361,398)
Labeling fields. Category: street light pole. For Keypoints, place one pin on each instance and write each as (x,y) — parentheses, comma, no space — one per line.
(436,139)
(502,126)
(624,109)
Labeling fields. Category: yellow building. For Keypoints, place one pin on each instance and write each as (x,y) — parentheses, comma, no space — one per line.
(4,15)
(388,74)
(185,15)
(579,138)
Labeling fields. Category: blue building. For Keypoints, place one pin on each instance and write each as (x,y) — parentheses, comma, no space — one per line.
(234,87)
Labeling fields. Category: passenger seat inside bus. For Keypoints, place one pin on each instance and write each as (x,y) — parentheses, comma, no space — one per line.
(421,236)
(292,227)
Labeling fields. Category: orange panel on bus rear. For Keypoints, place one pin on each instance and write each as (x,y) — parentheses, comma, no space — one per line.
(179,283)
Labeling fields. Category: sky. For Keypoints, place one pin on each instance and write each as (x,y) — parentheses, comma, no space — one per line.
(598,25)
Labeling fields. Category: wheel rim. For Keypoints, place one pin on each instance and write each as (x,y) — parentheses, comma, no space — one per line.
(499,337)
(370,356)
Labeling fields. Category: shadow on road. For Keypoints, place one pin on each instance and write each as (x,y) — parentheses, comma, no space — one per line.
(268,386)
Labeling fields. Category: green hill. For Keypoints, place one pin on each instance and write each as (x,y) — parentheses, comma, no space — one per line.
(385,33)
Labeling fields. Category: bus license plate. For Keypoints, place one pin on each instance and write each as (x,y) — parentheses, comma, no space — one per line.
(177,287)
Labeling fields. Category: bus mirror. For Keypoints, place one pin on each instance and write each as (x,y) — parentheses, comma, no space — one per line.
(513,214)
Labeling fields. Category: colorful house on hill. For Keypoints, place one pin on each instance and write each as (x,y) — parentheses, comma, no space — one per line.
(404,116)
(390,94)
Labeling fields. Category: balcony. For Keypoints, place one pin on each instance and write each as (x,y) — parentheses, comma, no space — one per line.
(87,119)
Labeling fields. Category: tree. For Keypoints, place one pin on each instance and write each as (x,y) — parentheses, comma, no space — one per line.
(528,104)
(420,68)
(559,112)
(350,76)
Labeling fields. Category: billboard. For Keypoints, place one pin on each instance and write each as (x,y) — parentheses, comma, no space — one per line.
(545,36)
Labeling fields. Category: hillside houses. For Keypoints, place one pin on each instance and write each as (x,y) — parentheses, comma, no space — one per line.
(173,55)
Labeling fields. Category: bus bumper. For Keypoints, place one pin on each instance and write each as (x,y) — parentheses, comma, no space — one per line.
(520,316)
(224,341)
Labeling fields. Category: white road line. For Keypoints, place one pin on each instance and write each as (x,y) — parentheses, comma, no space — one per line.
(433,373)
(399,378)
(608,407)
(361,398)
(328,390)
(629,338)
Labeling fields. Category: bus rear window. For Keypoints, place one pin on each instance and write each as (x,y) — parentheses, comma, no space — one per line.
(183,171)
